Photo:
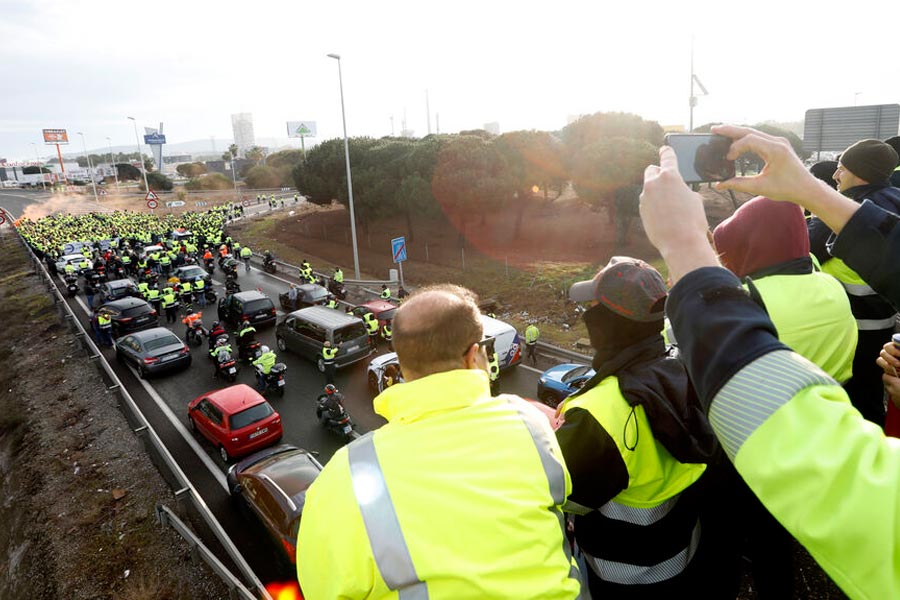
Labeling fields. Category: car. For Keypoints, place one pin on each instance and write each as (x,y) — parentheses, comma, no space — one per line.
(129,315)
(377,370)
(305,332)
(251,305)
(383,310)
(148,250)
(272,484)
(561,381)
(180,235)
(237,420)
(117,289)
(153,351)
(70,259)
(308,294)
(192,273)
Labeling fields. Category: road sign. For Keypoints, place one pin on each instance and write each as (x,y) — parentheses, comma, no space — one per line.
(152,203)
(55,136)
(835,129)
(154,139)
(245,202)
(398,249)
(2,218)
(151,196)
(297,129)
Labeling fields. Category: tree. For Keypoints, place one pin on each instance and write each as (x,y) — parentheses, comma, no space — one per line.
(285,158)
(256,154)
(534,158)
(128,172)
(158,181)
(194,169)
(227,157)
(322,176)
(211,181)
(414,196)
(261,177)
(605,166)
(471,178)
(591,129)
(233,150)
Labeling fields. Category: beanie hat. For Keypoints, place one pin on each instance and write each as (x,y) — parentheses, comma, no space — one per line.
(824,171)
(872,161)
(894,143)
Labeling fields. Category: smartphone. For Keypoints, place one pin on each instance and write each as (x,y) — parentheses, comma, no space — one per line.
(896,339)
(701,156)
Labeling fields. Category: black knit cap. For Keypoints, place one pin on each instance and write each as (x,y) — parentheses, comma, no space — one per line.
(872,161)
(824,171)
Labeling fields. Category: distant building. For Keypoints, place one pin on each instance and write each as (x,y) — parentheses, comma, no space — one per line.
(220,166)
(242,125)
(493,127)
(177,159)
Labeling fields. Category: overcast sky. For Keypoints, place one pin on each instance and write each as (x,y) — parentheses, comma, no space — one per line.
(87,65)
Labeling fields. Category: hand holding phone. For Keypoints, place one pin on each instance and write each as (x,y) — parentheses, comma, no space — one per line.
(701,156)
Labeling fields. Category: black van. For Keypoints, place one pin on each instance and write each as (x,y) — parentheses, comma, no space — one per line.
(252,305)
(305,332)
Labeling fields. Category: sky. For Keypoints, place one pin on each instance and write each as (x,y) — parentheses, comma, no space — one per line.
(86,66)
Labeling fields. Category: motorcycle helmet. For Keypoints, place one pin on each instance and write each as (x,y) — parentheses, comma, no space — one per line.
(216,324)
(221,341)
(264,349)
(330,389)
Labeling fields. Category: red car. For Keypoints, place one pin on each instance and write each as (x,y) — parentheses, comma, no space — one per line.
(384,311)
(236,420)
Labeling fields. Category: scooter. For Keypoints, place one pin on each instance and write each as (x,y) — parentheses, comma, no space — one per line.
(210,265)
(275,379)
(71,284)
(250,351)
(194,335)
(341,425)
(232,286)
(227,367)
(337,290)
(269,264)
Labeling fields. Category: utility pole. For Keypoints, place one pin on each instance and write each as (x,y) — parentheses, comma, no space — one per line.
(428,112)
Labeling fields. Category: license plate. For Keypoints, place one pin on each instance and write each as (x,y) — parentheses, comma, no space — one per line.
(258,433)
(352,348)
(347,429)
(280,382)
(168,357)
(231,370)
(142,319)
(260,317)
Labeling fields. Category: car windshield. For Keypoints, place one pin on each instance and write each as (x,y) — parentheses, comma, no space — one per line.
(348,333)
(387,315)
(256,305)
(316,293)
(161,342)
(193,272)
(252,415)
(575,373)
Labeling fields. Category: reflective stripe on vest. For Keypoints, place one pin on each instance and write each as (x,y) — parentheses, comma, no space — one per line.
(630,574)
(638,516)
(380,519)
(875,324)
(858,289)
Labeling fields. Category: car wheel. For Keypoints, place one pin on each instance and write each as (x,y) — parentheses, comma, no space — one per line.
(373,383)
(321,365)
(193,425)
(142,373)
(279,341)
(223,453)
(549,398)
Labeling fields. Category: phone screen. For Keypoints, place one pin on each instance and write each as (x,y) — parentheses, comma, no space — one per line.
(701,157)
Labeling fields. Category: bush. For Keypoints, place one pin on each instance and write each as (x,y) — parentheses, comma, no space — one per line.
(212,181)
(158,181)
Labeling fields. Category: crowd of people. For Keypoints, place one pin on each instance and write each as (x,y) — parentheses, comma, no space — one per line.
(675,459)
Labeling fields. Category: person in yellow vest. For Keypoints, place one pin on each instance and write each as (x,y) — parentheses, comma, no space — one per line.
(104,323)
(637,448)
(419,500)
(532,333)
(387,334)
(385,292)
(493,368)
(329,353)
(863,173)
(371,322)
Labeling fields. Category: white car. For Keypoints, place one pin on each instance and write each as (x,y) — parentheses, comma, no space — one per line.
(506,344)
(72,259)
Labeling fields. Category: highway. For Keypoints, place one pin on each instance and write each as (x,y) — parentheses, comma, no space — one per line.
(164,400)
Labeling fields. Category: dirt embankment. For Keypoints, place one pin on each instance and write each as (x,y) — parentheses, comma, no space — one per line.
(77,492)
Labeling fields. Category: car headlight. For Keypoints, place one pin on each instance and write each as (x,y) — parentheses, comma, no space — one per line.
(542,381)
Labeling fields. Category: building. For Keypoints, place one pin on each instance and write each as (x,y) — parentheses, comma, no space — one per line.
(493,127)
(242,125)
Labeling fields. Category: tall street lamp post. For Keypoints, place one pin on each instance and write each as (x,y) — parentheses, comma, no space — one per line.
(140,158)
(90,166)
(337,57)
(40,167)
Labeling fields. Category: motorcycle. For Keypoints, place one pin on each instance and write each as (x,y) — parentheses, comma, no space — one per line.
(71,284)
(210,265)
(194,335)
(269,264)
(230,270)
(275,379)
(226,367)
(232,286)
(341,425)
(250,351)
(337,290)
(211,296)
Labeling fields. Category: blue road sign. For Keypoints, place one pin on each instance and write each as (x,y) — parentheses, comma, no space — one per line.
(398,249)
(154,139)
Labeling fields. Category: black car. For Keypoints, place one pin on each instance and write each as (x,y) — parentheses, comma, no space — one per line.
(129,315)
(192,273)
(153,351)
(308,294)
(272,483)
(251,305)
(118,289)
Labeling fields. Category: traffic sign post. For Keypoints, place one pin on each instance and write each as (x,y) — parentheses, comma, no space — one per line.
(398,251)
(152,200)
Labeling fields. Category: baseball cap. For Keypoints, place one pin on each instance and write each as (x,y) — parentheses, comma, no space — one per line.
(628,287)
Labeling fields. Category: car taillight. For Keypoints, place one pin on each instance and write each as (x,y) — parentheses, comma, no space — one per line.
(152,313)
(150,360)
(185,350)
(234,439)
(289,549)
(272,311)
(125,319)
(245,317)
(277,421)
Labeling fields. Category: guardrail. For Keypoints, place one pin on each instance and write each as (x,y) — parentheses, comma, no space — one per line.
(186,496)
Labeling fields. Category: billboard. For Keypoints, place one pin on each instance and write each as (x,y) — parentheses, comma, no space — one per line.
(834,129)
(55,136)
(305,129)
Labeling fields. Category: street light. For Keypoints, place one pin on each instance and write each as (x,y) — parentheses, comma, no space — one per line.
(113,164)
(40,168)
(337,57)
(90,166)
(140,158)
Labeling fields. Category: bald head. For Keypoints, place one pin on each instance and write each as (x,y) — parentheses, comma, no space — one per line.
(434,328)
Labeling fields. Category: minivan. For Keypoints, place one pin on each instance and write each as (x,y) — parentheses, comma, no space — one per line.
(305,332)
(252,305)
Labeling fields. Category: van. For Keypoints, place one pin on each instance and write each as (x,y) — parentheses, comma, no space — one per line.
(506,341)
(305,332)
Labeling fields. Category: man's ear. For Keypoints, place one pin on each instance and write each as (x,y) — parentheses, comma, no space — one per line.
(471,357)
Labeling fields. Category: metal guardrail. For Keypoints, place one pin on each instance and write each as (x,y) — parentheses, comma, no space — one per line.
(550,350)
(178,481)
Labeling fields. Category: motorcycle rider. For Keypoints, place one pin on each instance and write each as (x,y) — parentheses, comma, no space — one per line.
(263,365)
(217,331)
(331,406)
(193,321)
(221,354)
